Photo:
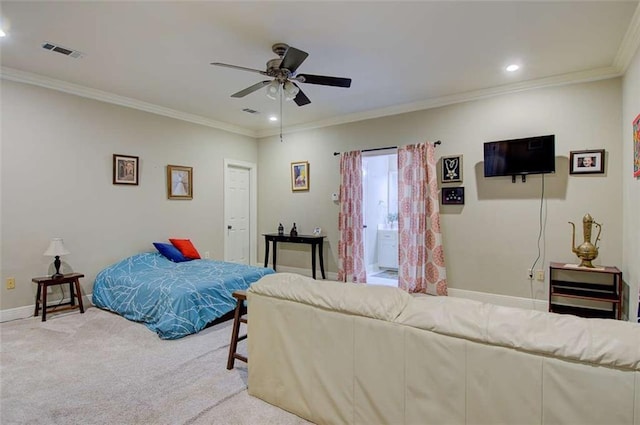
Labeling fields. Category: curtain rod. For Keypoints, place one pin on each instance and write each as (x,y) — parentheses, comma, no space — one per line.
(436,143)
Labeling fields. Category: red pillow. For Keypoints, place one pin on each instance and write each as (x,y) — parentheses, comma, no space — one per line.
(186,248)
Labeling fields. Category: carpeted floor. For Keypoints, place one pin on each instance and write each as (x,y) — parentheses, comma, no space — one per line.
(98,368)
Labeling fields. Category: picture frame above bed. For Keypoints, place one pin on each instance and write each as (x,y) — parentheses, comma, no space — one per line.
(125,169)
(179,182)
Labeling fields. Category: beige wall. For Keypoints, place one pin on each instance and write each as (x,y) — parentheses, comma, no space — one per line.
(56,159)
(57,181)
(491,241)
(630,185)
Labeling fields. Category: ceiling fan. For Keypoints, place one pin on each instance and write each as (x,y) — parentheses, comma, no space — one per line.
(283,72)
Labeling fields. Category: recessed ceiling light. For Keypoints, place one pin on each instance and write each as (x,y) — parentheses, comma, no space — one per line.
(513,67)
(273,118)
(2,34)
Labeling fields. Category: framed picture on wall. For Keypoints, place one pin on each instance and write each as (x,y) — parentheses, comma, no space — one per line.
(453,196)
(586,162)
(300,175)
(636,147)
(451,169)
(179,182)
(125,169)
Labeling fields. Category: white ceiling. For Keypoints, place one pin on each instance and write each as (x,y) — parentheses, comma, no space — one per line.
(401,56)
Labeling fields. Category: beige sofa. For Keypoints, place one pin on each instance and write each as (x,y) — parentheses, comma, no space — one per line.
(337,353)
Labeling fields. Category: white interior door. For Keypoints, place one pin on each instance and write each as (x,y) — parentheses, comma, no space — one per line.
(239,211)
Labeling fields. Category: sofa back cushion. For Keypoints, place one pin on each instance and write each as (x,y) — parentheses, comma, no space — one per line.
(607,342)
(378,302)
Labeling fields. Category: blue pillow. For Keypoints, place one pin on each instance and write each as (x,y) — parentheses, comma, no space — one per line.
(171,252)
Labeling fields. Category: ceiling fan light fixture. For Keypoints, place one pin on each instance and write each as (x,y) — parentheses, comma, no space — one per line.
(290,90)
(283,73)
(273,89)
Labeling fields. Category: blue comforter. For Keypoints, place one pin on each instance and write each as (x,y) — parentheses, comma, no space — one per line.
(172,299)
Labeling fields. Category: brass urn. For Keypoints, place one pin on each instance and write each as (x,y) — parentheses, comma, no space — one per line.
(587,251)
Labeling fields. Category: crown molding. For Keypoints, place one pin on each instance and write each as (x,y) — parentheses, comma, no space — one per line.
(564,79)
(630,43)
(557,80)
(63,86)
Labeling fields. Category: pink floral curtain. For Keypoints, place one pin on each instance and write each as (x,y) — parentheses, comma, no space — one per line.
(421,255)
(351,244)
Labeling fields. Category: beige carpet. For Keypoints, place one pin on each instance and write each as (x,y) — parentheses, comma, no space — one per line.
(98,368)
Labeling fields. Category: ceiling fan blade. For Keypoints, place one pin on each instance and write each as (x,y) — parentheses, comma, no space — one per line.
(323,80)
(242,68)
(301,99)
(257,86)
(293,58)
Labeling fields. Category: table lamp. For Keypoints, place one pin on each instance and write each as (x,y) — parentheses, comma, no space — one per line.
(56,249)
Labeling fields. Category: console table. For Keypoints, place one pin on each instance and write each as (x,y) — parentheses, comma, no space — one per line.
(306,239)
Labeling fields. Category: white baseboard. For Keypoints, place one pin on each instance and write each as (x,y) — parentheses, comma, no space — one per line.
(306,272)
(27,311)
(503,300)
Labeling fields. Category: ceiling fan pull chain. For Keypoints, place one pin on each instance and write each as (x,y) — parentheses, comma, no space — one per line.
(280,91)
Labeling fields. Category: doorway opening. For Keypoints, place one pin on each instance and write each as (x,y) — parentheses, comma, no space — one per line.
(380,215)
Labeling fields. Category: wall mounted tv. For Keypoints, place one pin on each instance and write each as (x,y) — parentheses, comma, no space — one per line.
(531,155)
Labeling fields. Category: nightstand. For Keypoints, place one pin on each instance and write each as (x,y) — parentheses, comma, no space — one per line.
(73,279)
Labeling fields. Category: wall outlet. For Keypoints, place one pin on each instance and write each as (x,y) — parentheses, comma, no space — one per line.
(540,275)
(206,254)
(11,283)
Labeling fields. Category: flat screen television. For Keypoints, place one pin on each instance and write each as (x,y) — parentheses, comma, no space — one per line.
(531,155)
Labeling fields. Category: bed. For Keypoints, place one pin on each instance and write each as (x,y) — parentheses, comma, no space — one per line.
(172,299)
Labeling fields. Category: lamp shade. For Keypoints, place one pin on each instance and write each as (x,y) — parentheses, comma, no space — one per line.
(56,248)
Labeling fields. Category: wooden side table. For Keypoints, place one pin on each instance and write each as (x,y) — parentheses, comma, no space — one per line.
(73,279)
(585,292)
(241,297)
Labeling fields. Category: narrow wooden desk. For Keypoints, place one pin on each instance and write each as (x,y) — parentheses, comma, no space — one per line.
(306,239)
(73,279)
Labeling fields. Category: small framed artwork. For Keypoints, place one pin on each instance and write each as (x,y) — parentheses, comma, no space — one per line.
(586,162)
(300,175)
(453,196)
(451,169)
(179,182)
(125,169)
(636,147)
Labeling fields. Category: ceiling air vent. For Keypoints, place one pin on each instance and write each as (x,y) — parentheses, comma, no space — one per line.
(250,111)
(63,50)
